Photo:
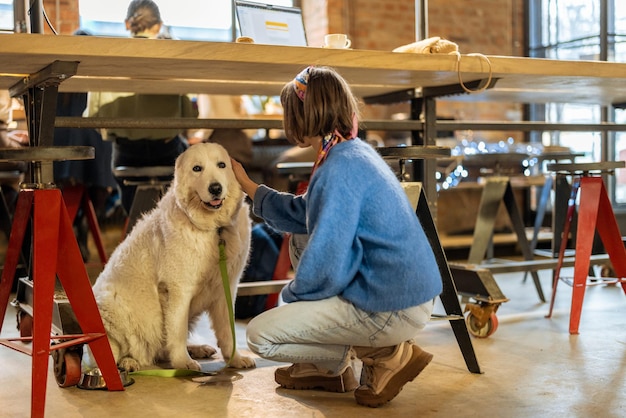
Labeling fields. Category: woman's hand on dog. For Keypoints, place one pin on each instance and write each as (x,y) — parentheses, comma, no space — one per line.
(247,185)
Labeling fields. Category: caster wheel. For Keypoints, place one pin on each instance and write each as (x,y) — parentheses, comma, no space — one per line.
(481,331)
(67,369)
(25,324)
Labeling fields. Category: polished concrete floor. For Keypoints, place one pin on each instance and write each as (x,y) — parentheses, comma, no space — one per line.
(531,367)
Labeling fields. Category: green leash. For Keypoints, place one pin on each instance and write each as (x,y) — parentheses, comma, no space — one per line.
(168,373)
(231,315)
(229,298)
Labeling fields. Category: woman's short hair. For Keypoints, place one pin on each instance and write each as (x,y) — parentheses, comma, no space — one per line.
(142,15)
(328,105)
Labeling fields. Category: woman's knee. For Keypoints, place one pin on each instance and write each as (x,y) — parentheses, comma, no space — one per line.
(256,338)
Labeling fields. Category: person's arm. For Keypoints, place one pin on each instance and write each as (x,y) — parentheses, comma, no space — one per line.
(4,136)
(9,138)
(5,117)
(248,186)
(333,253)
(282,211)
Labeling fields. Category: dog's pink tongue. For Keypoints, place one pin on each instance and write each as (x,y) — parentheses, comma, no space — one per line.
(216,202)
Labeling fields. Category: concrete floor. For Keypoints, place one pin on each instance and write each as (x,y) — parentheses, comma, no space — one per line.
(531,367)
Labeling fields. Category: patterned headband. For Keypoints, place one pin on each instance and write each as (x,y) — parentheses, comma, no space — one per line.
(301,81)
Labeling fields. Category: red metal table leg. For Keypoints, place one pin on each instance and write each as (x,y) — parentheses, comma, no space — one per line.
(587,219)
(72,196)
(94,227)
(18,229)
(281,270)
(594,205)
(45,248)
(76,197)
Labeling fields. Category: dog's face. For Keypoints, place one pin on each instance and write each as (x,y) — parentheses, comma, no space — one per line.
(205,186)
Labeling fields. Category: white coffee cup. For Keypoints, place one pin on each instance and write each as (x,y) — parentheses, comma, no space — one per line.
(337,41)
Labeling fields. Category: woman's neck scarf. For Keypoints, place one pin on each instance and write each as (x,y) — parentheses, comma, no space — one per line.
(330,140)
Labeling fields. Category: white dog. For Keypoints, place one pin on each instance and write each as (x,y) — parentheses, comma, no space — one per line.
(166,272)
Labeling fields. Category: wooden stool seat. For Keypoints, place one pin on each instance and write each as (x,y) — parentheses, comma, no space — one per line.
(594,205)
(303,168)
(414,152)
(47,154)
(586,168)
(145,171)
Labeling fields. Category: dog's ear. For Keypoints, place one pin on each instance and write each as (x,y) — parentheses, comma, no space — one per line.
(177,166)
(179,160)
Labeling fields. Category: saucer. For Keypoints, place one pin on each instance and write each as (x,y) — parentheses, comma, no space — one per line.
(327,47)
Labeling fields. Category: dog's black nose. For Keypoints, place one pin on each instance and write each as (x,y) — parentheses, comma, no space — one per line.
(215,189)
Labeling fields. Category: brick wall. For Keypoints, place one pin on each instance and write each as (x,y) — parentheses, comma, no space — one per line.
(316,19)
(65,20)
(371,24)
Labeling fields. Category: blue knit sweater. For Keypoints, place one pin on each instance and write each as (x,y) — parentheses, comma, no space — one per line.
(365,241)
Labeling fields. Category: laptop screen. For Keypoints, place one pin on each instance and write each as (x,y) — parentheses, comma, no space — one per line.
(269,24)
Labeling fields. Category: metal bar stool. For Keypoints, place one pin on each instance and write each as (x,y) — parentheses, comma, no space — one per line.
(55,254)
(151,182)
(594,204)
(55,251)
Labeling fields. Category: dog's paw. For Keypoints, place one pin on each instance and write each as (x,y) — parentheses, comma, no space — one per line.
(190,364)
(242,362)
(201,351)
(129,364)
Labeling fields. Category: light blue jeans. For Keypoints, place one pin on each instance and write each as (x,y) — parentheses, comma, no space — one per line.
(323,331)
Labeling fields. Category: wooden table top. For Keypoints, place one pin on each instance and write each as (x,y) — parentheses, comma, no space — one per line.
(174,66)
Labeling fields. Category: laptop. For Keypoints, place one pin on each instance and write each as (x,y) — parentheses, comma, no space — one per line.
(271,24)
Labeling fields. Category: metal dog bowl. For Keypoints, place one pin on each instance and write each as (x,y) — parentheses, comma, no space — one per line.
(93,379)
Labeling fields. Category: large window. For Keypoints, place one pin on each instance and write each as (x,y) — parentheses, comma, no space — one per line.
(202,20)
(581,30)
(6,16)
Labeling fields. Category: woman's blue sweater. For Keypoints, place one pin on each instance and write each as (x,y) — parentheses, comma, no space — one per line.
(365,242)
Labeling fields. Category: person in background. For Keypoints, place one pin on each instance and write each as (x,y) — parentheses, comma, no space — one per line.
(10,138)
(365,273)
(142,147)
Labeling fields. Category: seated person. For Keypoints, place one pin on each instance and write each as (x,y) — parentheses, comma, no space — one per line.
(142,147)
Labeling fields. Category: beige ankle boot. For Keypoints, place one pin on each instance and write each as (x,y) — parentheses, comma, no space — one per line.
(304,376)
(383,377)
